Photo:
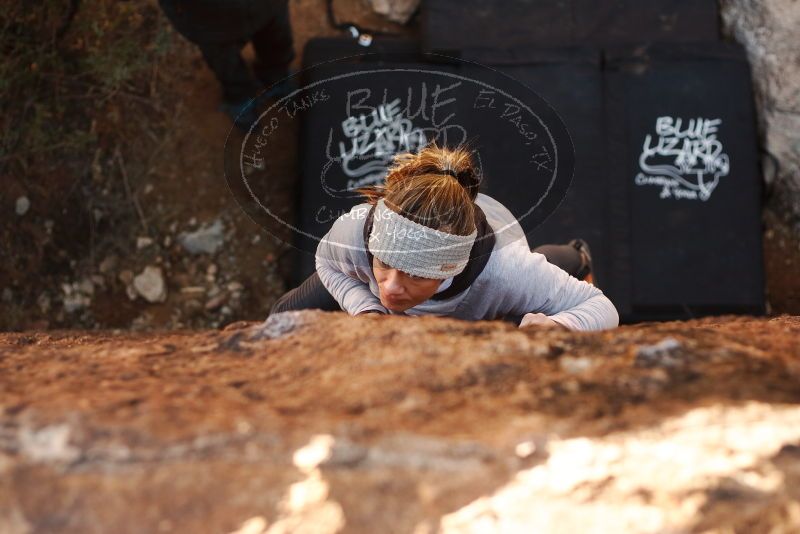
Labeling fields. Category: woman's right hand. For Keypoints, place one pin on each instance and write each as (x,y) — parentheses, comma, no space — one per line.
(539,320)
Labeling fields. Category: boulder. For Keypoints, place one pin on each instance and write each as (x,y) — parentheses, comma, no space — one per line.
(320,422)
(768,29)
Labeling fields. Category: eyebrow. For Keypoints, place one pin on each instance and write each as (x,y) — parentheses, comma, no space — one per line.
(381,264)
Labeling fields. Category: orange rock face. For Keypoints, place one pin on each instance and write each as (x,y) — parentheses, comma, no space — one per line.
(320,422)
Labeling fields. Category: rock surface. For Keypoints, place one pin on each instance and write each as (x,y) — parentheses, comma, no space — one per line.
(320,422)
(22,205)
(150,284)
(399,11)
(207,239)
(768,29)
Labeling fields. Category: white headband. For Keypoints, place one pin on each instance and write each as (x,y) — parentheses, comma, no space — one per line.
(416,249)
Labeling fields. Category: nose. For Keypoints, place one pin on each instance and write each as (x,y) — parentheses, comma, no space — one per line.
(392,286)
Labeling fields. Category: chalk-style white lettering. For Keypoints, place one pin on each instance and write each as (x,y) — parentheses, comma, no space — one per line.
(685,159)
(375,137)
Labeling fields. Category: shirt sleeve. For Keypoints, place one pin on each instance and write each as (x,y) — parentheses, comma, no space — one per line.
(342,265)
(530,284)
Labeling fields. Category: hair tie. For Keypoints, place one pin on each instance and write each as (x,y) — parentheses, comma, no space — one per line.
(451,172)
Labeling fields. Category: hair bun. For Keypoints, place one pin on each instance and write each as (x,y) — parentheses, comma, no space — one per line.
(456,162)
(466,179)
(430,160)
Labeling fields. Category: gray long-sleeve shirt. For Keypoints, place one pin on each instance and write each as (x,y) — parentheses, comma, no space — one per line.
(514,281)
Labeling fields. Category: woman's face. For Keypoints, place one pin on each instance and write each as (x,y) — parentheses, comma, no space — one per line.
(400,291)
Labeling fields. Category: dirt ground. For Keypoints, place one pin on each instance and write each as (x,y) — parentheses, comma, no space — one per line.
(147,166)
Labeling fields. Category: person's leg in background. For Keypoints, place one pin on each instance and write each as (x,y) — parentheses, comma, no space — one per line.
(238,86)
(574,258)
(311,294)
(220,28)
(274,46)
(562,256)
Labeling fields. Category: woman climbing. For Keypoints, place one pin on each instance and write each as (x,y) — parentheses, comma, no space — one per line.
(427,243)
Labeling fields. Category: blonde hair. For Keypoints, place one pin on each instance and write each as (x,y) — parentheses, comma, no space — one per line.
(421,188)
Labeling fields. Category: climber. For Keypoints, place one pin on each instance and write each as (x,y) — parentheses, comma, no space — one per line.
(427,243)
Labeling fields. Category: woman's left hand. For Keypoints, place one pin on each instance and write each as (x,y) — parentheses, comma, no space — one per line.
(539,320)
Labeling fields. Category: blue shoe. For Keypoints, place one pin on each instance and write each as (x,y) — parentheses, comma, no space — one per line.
(243,113)
(284,86)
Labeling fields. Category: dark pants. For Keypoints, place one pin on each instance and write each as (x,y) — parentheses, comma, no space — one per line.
(222,50)
(311,294)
